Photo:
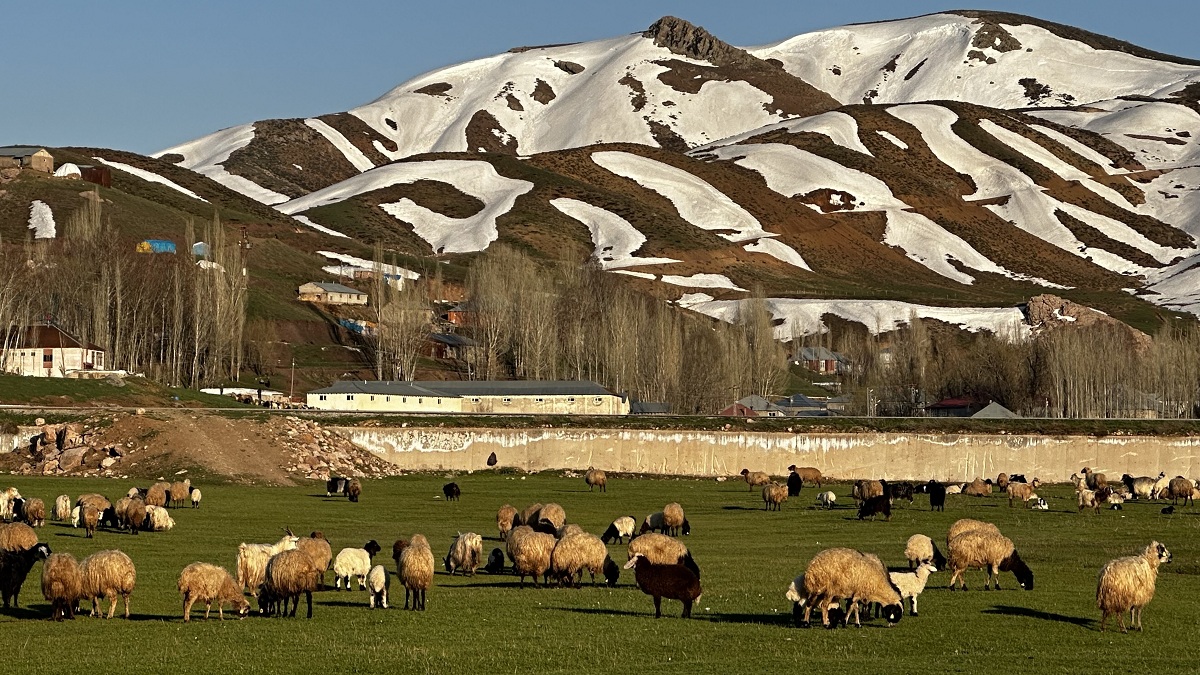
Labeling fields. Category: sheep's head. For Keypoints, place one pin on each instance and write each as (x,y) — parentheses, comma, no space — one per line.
(686,528)
(372,547)
(1159,551)
(1020,570)
(927,568)
(42,551)
(893,613)
(633,560)
(745,471)
(611,572)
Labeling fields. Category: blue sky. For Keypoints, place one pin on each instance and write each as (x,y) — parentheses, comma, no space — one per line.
(144,75)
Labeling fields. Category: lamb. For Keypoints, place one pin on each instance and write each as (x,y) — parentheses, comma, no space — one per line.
(505,518)
(196,497)
(451,491)
(845,574)
(34,513)
(179,492)
(596,478)
(1141,487)
(62,508)
(674,582)
(662,550)
(465,554)
(921,549)
(989,551)
(1160,486)
(865,489)
(875,506)
(808,474)
(574,554)
(827,499)
(911,584)
(495,563)
(1087,500)
(17,537)
(755,478)
(795,593)
(335,486)
(158,519)
(1178,488)
(7,498)
(773,496)
(354,562)
(377,585)
(252,561)
(954,489)
(62,585)
(619,529)
(673,520)
(937,495)
(529,516)
(290,573)
(353,491)
(1020,491)
(1127,584)
(202,582)
(14,568)
(317,548)
(978,488)
(550,519)
(107,574)
(157,494)
(416,570)
(530,553)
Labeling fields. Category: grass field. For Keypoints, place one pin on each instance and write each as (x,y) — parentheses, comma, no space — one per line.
(741,624)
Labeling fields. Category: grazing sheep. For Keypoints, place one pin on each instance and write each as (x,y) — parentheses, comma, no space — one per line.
(17,537)
(377,585)
(290,573)
(954,489)
(662,550)
(755,478)
(62,508)
(495,563)
(354,562)
(1087,500)
(202,582)
(465,554)
(354,490)
(335,486)
(94,500)
(978,488)
(529,516)
(62,585)
(416,569)
(451,491)
(966,525)
(989,551)
(574,554)
(875,506)
(921,549)
(596,478)
(827,499)
(653,523)
(135,515)
(1127,584)
(179,492)
(550,520)
(195,496)
(837,574)
(1002,481)
(1020,491)
(911,584)
(252,561)
(674,582)
(530,553)
(865,489)
(505,518)
(795,593)
(619,529)
(1178,488)
(34,513)
(1141,487)
(794,484)
(900,491)
(808,474)
(317,548)
(14,568)
(157,494)
(773,496)
(7,498)
(568,530)
(673,519)
(937,495)
(136,492)
(91,518)
(107,574)
(158,519)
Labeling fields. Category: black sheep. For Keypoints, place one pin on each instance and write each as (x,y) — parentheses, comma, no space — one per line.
(937,495)
(451,491)
(495,563)
(1017,478)
(794,484)
(900,491)
(674,582)
(335,486)
(612,572)
(875,506)
(14,567)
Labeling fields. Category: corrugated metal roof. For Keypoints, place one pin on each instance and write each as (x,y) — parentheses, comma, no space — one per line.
(458,389)
(452,340)
(48,337)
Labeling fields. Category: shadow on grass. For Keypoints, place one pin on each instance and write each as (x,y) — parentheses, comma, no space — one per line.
(732,507)
(1007,610)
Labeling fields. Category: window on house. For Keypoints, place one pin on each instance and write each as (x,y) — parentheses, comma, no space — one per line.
(506,400)
(47,358)
(570,399)
(372,398)
(387,399)
(474,399)
(439,401)
(420,400)
(349,397)
(597,401)
(539,400)
(322,397)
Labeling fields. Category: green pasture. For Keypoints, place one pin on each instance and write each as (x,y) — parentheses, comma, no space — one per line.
(741,624)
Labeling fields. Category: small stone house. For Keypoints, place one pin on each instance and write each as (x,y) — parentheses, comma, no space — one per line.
(331,294)
(26,157)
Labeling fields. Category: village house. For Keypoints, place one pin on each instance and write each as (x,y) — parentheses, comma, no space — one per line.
(509,397)
(331,294)
(25,157)
(448,346)
(821,360)
(753,406)
(47,351)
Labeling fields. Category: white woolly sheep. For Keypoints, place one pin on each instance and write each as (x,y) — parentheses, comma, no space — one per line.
(954,489)
(773,496)
(465,553)
(377,585)
(202,582)
(1159,489)
(619,529)
(1087,500)
(1127,584)
(196,497)
(911,584)
(574,554)
(827,499)
(354,562)
(416,569)
(158,519)
(837,574)
(755,478)
(62,585)
(7,498)
(989,551)
(673,519)
(289,574)
(252,559)
(107,574)
(530,554)
(921,549)
(675,582)
(596,478)
(662,550)
(133,492)
(62,508)
(76,516)
(506,517)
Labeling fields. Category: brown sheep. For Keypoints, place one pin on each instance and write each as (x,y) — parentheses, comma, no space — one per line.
(529,516)
(966,525)
(773,496)
(1095,481)
(94,500)
(179,492)
(317,548)
(1020,491)
(506,517)
(978,488)
(662,550)
(674,582)
(35,512)
(673,519)
(17,537)
(91,518)
(290,573)
(1127,584)
(837,574)
(989,551)
(62,585)
(574,554)
(1178,488)
(530,552)
(755,478)
(551,518)
(808,474)
(416,570)
(202,582)
(398,547)
(107,574)
(865,489)
(1002,481)
(157,495)
(353,491)
(596,478)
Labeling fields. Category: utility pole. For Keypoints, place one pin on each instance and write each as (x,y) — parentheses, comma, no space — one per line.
(292,382)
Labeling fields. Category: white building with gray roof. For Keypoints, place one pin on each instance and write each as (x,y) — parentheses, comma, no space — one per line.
(508,397)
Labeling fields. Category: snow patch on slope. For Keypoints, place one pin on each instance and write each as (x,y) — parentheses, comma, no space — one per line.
(841,128)
(318,227)
(204,156)
(780,251)
(615,238)
(351,153)
(702,281)
(364,264)
(150,176)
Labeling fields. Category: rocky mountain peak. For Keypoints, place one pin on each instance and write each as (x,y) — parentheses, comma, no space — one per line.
(687,39)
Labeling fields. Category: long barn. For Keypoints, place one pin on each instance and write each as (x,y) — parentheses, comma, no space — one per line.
(515,397)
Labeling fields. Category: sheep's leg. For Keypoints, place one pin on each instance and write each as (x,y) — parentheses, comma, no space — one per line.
(406,597)
(1139,617)
(422,592)
(1121,621)
(385,598)
(658,606)
(208,608)
(996,575)
(112,605)
(308,596)
(687,609)
(126,605)
(1103,620)
(187,607)
(807,614)
(913,601)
